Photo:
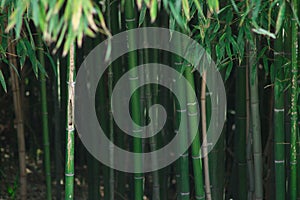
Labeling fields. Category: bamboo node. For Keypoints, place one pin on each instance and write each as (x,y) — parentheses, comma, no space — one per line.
(69,174)
(70,129)
(192,114)
(185,155)
(196,157)
(138,177)
(178,63)
(184,193)
(293,162)
(133,78)
(200,197)
(278,110)
(181,111)
(279,161)
(192,104)
(71,83)
(130,20)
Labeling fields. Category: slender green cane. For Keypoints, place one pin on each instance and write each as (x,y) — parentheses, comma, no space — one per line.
(240,135)
(70,128)
(255,119)
(279,149)
(294,101)
(181,118)
(45,118)
(192,122)
(136,114)
(57,130)
(204,137)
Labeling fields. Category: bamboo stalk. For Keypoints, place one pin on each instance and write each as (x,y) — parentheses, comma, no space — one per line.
(192,122)
(255,119)
(181,118)
(204,137)
(70,128)
(130,19)
(294,101)
(19,120)
(240,136)
(45,119)
(279,147)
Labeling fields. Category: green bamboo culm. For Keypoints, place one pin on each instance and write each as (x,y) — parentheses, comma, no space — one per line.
(240,136)
(131,23)
(294,101)
(204,136)
(279,149)
(70,128)
(181,119)
(45,118)
(193,124)
(255,120)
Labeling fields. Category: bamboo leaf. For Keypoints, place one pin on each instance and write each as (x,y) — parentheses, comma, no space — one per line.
(266,65)
(35,12)
(2,80)
(213,5)
(21,51)
(235,6)
(142,15)
(280,17)
(77,12)
(186,9)
(32,57)
(262,31)
(228,70)
(256,4)
(153,10)
(54,67)
(199,8)
(139,4)
(30,34)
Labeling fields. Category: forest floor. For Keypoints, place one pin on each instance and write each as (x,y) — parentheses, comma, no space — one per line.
(36,184)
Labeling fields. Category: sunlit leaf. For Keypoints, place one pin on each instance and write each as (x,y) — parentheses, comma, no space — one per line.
(280,17)
(2,80)
(213,5)
(262,31)
(142,15)
(186,9)
(153,10)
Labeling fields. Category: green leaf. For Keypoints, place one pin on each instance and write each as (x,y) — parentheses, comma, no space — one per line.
(199,8)
(54,67)
(2,80)
(262,31)
(256,4)
(30,34)
(35,12)
(153,10)
(142,15)
(22,52)
(228,70)
(32,57)
(139,4)
(186,9)
(213,5)
(235,6)
(280,17)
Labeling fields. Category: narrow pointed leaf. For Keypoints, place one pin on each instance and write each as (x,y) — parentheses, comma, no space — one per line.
(2,80)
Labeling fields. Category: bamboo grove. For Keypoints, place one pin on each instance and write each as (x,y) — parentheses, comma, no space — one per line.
(253,43)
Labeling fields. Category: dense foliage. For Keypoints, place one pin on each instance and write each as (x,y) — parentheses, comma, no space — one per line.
(254,44)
